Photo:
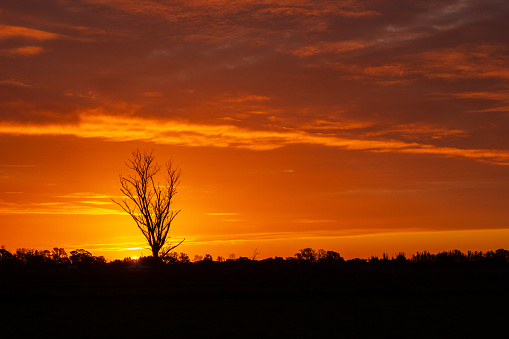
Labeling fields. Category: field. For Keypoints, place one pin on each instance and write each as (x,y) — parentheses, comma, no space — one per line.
(212,303)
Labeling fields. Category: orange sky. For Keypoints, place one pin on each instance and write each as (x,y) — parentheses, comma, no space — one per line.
(361,127)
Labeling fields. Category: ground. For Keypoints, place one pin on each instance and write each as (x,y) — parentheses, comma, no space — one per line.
(300,304)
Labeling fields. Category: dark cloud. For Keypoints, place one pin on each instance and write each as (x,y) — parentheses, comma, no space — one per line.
(374,63)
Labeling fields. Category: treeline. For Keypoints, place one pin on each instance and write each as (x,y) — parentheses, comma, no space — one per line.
(27,258)
(57,258)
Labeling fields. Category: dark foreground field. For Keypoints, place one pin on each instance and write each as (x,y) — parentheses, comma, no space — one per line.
(252,304)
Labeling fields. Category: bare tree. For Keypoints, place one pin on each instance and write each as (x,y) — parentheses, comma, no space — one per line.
(148,202)
(255,254)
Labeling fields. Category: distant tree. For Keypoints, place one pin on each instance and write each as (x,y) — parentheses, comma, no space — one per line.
(4,254)
(171,258)
(184,258)
(232,256)
(32,258)
(7,259)
(84,257)
(45,254)
(502,254)
(321,255)
(306,254)
(475,256)
(99,260)
(220,258)
(25,254)
(255,254)
(150,203)
(334,256)
(197,258)
(208,257)
(400,257)
(59,256)
(81,256)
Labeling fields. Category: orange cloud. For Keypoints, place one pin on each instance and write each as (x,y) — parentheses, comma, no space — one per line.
(344,46)
(497,96)
(501,97)
(152,94)
(329,47)
(15,31)
(321,124)
(23,51)
(494,109)
(118,128)
(420,129)
(247,97)
(14,83)
(80,203)
(484,61)
(58,208)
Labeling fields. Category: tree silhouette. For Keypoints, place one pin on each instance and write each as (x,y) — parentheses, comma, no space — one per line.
(183,258)
(307,254)
(59,255)
(81,256)
(148,202)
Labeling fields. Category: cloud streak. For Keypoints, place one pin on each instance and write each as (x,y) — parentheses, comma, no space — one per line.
(55,208)
(23,32)
(118,128)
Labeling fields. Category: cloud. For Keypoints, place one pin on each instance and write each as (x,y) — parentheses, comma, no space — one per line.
(313,221)
(55,208)
(22,51)
(119,128)
(13,82)
(493,109)
(419,130)
(467,61)
(84,195)
(323,124)
(16,31)
(152,94)
(247,97)
(108,246)
(79,203)
(285,236)
(496,96)
(329,47)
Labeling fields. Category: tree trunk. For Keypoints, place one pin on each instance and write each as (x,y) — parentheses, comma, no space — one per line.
(155,254)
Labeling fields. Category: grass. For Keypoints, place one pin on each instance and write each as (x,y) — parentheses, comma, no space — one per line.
(257,305)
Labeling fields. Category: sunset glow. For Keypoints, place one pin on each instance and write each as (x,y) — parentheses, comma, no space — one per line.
(362,127)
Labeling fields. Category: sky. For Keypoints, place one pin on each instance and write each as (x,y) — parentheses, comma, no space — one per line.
(362,127)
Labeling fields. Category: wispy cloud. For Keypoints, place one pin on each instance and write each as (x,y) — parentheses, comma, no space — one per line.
(14,83)
(421,130)
(56,208)
(467,61)
(22,51)
(108,246)
(117,128)
(278,236)
(313,221)
(16,31)
(84,195)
